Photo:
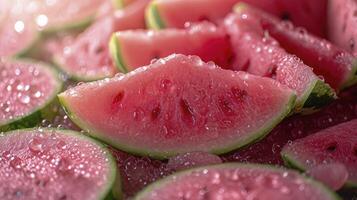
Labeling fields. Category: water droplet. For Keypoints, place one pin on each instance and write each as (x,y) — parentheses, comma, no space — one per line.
(37,94)
(19,26)
(25,99)
(41,20)
(15,162)
(36,145)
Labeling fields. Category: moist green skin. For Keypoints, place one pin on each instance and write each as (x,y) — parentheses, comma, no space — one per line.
(44,111)
(113,190)
(352,79)
(291,162)
(152,17)
(115,52)
(161,183)
(160,154)
(321,95)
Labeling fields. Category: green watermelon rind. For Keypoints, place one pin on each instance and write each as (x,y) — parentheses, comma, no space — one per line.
(114,177)
(152,17)
(44,111)
(69,26)
(317,96)
(159,154)
(352,78)
(116,55)
(291,162)
(161,183)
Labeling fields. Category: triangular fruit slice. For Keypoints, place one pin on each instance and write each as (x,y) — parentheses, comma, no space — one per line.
(337,144)
(133,49)
(258,53)
(337,66)
(87,57)
(55,164)
(27,90)
(342,24)
(164,14)
(179,104)
(237,181)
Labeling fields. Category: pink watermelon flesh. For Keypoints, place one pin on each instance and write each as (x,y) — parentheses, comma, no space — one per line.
(17,32)
(22,20)
(53,164)
(342,24)
(307,13)
(265,151)
(335,144)
(236,181)
(23,91)
(192,159)
(333,175)
(163,102)
(258,53)
(295,127)
(336,65)
(137,48)
(87,56)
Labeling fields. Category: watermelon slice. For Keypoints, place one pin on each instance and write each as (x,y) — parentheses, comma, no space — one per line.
(337,66)
(27,90)
(237,181)
(258,53)
(87,58)
(132,49)
(54,164)
(189,104)
(22,20)
(335,144)
(165,14)
(342,24)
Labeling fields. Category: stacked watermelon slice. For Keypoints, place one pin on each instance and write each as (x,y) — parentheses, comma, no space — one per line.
(212,97)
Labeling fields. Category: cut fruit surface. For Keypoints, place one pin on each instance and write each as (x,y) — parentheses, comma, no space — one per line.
(337,66)
(236,181)
(165,14)
(54,164)
(133,49)
(27,88)
(87,57)
(258,53)
(22,21)
(189,104)
(342,25)
(337,144)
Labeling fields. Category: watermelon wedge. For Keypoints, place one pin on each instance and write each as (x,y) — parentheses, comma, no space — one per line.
(87,58)
(133,49)
(342,24)
(337,66)
(54,164)
(164,14)
(189,104)
(21,21)
(337,144)
(27,91)
(236,181)
(258,53)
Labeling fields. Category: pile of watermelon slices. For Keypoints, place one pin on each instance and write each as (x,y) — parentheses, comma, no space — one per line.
(178,99)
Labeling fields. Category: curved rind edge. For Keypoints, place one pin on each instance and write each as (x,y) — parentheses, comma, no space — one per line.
(290,162)
(113,174)
(141,195)
(253,137)
(152,17)
(44,111)
(115,53)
